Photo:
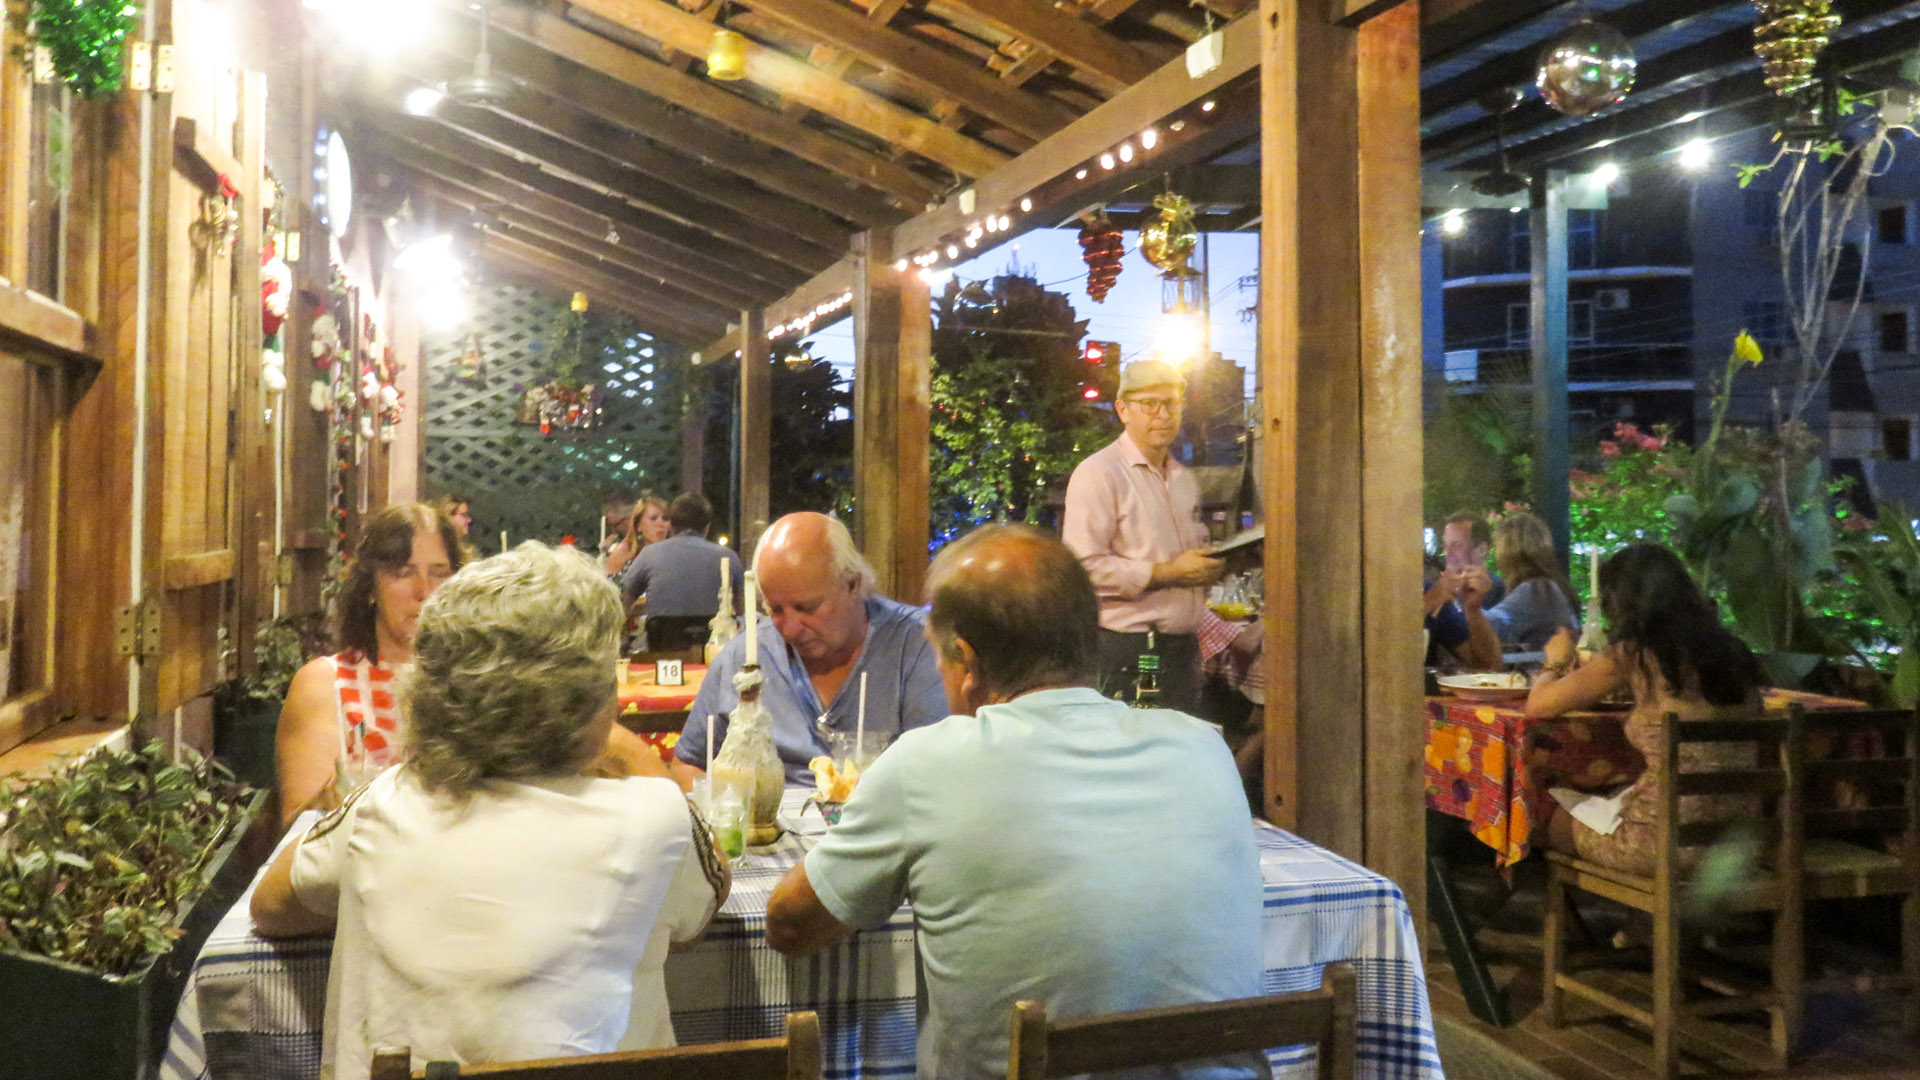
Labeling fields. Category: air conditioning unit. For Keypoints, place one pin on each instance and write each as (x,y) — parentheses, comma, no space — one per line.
(1610,300)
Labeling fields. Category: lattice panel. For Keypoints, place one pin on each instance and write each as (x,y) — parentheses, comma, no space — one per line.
(540,487)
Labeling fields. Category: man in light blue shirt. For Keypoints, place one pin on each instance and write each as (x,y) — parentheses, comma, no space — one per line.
(825,628)
(1056,846)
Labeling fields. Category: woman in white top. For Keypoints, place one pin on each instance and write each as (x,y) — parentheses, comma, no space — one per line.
(339,724)
(492,899)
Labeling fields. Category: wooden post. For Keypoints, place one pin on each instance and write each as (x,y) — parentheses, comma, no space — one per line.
(1340,357)
(693,434)
(756,428)
(251,522)
(1547,337)
(893,337)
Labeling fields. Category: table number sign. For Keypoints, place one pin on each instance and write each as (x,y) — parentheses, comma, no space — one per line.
(668,673)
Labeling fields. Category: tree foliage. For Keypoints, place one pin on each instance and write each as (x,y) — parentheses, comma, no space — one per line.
(1008,421)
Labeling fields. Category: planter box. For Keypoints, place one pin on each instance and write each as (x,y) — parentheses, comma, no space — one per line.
(66,1022)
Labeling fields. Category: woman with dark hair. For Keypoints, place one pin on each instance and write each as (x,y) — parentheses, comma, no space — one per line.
(1539,601)
(1670,649)
(339,724)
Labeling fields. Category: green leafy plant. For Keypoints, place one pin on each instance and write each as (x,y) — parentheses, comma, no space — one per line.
(281,646)
(84,39)
(1623,501)
(97,859)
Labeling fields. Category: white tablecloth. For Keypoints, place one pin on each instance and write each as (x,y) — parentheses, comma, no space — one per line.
(252,1009)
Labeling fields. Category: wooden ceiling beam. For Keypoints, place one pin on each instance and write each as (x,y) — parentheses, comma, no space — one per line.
(795,79)
(1039,57)
(546,272)
(586,245)
(623,145)
(576,65)
(644,290)
(821,288)
(837,63)
(637,187)
(1066,35)
(919,63)
(448,155)
(496,193)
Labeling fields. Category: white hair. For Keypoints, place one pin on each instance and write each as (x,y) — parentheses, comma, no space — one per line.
(847,562)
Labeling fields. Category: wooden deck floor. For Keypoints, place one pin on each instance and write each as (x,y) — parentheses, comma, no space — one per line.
(1848,1038)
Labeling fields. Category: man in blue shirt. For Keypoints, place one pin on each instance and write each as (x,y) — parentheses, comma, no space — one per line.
(680,577)
(1056,845)
(825,627)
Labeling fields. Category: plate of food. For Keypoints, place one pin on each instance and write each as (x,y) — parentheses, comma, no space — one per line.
(1487,685)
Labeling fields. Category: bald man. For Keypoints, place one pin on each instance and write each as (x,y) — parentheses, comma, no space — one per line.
(825,627)
(1049,839)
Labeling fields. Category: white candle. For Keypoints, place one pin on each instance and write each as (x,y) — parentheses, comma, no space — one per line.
(503,540)
(603,532)
(860,724)
(710,746)
(753,620)
(1593,578)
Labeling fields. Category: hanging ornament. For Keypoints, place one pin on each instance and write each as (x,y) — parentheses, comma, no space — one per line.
(472,365)
(276,288)
(1101,247)
(84,40)
(1585,68)
(1789,39)
(1168,244)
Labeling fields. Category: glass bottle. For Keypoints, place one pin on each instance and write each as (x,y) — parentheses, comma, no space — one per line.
(1146,677)
(749,763)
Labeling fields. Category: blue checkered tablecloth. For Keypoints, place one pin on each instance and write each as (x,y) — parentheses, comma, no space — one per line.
(253,1007)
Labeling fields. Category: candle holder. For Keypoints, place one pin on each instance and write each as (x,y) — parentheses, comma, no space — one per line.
(749,762)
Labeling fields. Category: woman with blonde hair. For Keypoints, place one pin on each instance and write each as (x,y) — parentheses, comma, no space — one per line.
(1539,602)
(491,898)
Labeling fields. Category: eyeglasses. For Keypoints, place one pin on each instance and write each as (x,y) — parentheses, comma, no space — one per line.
(1154,405)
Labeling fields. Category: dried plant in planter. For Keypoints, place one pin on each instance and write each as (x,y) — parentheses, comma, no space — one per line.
(97,860)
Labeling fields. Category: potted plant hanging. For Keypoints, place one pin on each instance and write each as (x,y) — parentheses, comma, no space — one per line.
(113,870)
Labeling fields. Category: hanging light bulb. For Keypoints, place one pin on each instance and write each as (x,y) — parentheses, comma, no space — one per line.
(727,56)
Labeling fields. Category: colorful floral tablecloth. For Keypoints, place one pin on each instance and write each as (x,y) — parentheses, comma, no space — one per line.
(641,694)
(1486,763)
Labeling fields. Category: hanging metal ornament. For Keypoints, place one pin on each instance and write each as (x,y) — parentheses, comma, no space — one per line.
(1789,39)
(1585,68)
(1101,247)
(1168,244)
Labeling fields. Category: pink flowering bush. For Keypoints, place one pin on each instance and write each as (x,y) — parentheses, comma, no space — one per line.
(1624,500)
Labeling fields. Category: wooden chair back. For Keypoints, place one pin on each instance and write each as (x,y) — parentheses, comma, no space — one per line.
(1045,1048)
(1862,773)
(695,655)
(793,1056)
(1730,779)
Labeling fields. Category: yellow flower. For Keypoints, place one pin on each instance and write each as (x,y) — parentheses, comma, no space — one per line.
(1746,348)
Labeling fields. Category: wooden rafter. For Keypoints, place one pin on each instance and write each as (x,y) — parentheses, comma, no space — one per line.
(569,160)
(835,280)
(837,63)
(920,63)
(573,243)
(625,146)
(795,79)
(644,292)
(589,50)
(1039,57)
(723,281)
(547,272)
(1068,36)
(447,154)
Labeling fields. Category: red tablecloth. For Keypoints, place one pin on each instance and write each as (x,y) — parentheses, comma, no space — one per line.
(1483,760)
(641,694)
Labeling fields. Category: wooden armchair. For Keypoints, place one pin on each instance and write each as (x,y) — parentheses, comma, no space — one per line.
(1043,1049)
(793,1056)
(1778,812)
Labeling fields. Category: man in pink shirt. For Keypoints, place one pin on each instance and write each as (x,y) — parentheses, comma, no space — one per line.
(1133,518)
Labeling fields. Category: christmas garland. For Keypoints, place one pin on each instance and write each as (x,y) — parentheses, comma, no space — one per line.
(83,38)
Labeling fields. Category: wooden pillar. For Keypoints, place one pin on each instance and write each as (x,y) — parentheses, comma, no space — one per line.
(693,434)
(893,343)
(1340,377)
(756,428)
(1547,337)
(252,492)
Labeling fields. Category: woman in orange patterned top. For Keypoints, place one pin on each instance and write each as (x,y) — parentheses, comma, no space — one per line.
(339,726)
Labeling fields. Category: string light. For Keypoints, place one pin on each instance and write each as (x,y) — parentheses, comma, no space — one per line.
(901,266)
(1126,151)
(1453,222)
(1081,175)
(1148,138)
(1606,174)
(953,251)
(1106,161)
(1207,107)
(1696,154)
(1026,206)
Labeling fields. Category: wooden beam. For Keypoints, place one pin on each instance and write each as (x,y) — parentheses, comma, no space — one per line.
(1141,105)
(919,63)
(622,144)
(648,193)
(553,200)
(836,63)
(1355,12)
(614,293)
(756,430)
(697,248)
(579,66)
(576,243)
(639,292)
(1039,57)
(796,80)
(836,280)
(1068,36)
(1339,370)
(893,339)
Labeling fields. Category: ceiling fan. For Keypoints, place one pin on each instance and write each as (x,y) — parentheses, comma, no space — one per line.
(483,87)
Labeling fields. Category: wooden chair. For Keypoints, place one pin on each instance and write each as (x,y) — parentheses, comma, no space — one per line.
(793,1056)
(1798,854)
(1043,1049)
(695,655)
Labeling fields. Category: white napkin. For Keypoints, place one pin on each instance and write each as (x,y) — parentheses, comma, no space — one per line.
(1599,812)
